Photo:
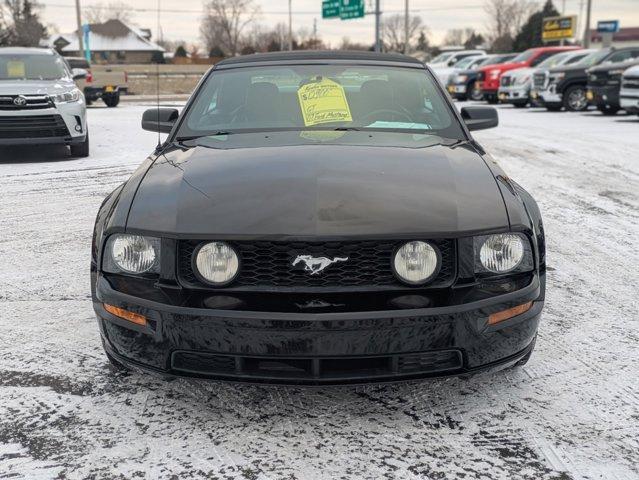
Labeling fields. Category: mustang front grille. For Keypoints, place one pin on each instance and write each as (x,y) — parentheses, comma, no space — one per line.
(319,369)
(267,265)
(33,126)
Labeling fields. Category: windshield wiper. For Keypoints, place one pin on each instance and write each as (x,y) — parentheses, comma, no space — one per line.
(195,137)
(347,129)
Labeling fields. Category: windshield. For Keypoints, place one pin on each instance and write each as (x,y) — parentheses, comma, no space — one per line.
(594,58)
(32,67)
(524,56)
(554,60)
(465,62)
(319,97)
(442,57)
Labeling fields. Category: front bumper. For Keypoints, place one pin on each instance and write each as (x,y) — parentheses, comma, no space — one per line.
(604,96)
(514,94)
(183,338)
(63,124)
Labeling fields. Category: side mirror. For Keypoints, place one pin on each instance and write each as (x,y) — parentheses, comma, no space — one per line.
(159,119)
(480,118)
(79,73)
(452,62)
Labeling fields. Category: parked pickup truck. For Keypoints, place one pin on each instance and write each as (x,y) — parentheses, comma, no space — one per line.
(99,83)
(604,85)
(629,93)
(490,75)
(565,86)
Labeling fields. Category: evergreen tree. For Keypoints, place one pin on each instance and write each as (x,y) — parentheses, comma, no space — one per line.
(530,34)
(180,51)
(422,42)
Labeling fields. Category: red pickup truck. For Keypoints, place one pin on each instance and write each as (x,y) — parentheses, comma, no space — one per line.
(490,74)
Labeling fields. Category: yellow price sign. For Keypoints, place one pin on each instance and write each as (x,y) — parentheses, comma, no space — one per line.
(323,101)
(16,69)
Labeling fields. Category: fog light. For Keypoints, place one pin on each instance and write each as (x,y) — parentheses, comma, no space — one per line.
(125,314)
(510,313)
(78,128)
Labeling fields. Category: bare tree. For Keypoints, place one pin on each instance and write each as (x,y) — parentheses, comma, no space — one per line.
(393,31)
(505,18)
(100,12)
(348,45)
(225,21)
(20,23)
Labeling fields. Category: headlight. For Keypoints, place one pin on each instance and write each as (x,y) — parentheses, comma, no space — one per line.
(416,262)
(494,73)
(502,253)
(217,263)
(614,73)
(132,254)
(558,76)
(461,78)
(67,97)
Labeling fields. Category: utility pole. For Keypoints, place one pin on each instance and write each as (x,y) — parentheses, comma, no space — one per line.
(587,31)
(378,33)
(290,25)
(405,27)
(78,18)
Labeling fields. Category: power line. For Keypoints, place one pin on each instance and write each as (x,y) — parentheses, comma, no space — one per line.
(282,12)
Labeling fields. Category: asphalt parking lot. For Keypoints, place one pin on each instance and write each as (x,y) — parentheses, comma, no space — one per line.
(571,413)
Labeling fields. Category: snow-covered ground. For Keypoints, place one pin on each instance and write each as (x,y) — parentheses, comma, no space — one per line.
(571,413)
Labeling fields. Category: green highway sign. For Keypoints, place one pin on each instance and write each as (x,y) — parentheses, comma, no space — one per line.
(344,9)
(330,8)
(351,9)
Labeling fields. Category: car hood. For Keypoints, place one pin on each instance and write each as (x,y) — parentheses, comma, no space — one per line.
(318,190)
(613,66)
(572,69)
(34,87)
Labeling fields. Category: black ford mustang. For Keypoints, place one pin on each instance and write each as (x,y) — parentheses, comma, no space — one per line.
(318,217)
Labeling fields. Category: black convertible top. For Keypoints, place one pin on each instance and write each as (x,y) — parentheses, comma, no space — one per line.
(299,55)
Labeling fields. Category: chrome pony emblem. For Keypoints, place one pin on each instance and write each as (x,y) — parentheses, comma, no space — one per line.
(20,101)
(316,264)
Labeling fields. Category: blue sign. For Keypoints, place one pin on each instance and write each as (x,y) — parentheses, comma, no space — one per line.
(608,26)
(86,30)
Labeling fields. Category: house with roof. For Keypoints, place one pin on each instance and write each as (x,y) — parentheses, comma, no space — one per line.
(625,37)
(113,41)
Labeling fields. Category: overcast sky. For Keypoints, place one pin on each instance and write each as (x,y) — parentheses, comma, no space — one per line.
(180,19)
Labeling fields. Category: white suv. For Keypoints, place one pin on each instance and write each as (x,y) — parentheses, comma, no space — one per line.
(39,101)
(629,94)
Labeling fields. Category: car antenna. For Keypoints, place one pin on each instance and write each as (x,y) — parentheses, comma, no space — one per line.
(157,81)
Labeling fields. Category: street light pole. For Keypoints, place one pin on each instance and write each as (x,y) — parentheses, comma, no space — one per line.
(587,31)
(290,25)
(78,18)
(378,40)
(405,27)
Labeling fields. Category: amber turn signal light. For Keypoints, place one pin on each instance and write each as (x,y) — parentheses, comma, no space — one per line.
(510,313)
(125,314)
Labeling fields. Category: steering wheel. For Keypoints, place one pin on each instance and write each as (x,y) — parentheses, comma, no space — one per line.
(403,115)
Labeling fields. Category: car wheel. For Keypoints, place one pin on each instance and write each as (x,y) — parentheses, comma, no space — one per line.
(111,100)
(575,99)
(81,149)
(475,92)
(608,110)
